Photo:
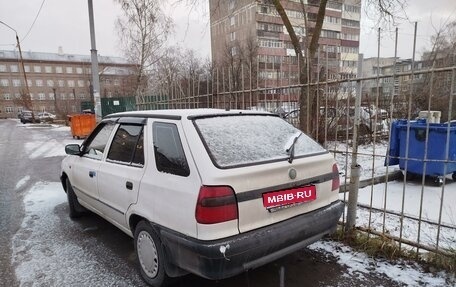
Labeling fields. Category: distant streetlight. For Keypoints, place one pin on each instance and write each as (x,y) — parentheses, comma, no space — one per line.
(27,95)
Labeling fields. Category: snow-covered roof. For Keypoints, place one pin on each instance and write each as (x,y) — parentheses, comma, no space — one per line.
(57,57)
(117,71)
(188,112)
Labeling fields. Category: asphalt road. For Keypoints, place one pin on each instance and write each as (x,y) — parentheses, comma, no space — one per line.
(103,245)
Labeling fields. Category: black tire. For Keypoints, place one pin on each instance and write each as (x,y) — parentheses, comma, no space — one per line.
(454,176)
(438,181)
(151,256)
(76,209)
(410,176)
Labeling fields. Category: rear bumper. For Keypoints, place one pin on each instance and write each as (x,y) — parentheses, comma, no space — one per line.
(251,249)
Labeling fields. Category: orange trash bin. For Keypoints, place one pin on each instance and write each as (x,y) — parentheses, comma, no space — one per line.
(82,125)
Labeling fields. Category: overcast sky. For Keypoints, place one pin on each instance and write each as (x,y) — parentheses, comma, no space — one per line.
(65,23)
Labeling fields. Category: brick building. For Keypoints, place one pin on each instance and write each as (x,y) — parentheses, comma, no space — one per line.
(240,28)
(58,83)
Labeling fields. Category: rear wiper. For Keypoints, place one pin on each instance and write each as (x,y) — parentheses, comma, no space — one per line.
(291,148)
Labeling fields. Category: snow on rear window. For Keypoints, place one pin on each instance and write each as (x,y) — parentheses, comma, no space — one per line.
(239,140)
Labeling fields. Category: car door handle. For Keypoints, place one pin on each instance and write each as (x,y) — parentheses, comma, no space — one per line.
(129,185)
(92,173)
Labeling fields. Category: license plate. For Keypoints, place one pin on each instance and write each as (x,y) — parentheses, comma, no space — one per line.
(288,197)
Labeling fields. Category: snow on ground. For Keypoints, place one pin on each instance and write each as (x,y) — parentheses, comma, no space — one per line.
(412,202)
(37,148)
(358,264)
(42,258)
(365,159)
(400,193)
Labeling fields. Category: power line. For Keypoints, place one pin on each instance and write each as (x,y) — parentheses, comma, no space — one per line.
(37,14)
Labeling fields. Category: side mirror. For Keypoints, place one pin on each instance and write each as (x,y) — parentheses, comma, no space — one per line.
(73,149)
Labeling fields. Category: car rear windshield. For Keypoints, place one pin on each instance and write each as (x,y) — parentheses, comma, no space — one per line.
(248,139)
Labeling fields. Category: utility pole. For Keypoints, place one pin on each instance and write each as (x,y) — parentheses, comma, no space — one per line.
(95,77)
(27,100)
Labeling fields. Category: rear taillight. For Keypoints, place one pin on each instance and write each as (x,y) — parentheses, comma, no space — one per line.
(336,179)
(216,204)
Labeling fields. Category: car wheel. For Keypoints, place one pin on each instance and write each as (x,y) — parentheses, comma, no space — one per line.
(76,209)
(454,176)
(150,254)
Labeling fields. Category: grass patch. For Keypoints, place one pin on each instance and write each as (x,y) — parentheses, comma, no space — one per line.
(387,248)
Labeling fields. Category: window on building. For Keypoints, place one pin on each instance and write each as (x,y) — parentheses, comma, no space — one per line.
(350,37)
(37,69)
(332,20)
(116,82)
(69,70)
(51,96)
(7,97)
(82,96)
(30,83)
(14,68)
(78,70)
(233,36)
(334,5)
(350,23)
(32,97)
(80,83)
(39,83)
(63,96)
(9,110)
(50,83)
(61,83)
(352,9)
(59,70)
(41,96)
(267,43)
(71,83)
(2,68)
(4,83)
(232,21)
(234,51)
(231,4)
(48,69)
(330,34)
(27,69)
(16,83)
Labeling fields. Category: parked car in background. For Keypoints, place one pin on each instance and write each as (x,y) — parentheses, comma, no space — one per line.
(46,117)
(26,117)
(209,192)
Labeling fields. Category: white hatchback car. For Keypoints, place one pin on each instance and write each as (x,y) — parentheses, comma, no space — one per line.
(209,192)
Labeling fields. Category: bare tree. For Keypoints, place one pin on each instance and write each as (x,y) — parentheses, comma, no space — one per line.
(433,89)
(387,9)
(143,29)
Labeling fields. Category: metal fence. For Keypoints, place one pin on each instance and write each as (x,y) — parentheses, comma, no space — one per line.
(412,201)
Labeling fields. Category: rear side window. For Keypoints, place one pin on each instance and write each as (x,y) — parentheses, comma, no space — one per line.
(169,154)
(248,139)
(127,145)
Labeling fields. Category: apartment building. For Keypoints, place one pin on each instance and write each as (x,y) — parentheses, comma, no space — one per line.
(253,30)
(58,83)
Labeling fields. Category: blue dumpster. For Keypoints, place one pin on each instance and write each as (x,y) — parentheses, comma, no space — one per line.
(436,148)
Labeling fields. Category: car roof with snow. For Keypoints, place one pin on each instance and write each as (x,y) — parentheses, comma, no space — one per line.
(185,113)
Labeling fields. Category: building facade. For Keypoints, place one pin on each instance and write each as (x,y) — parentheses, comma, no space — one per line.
(58,83)
(253,31)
